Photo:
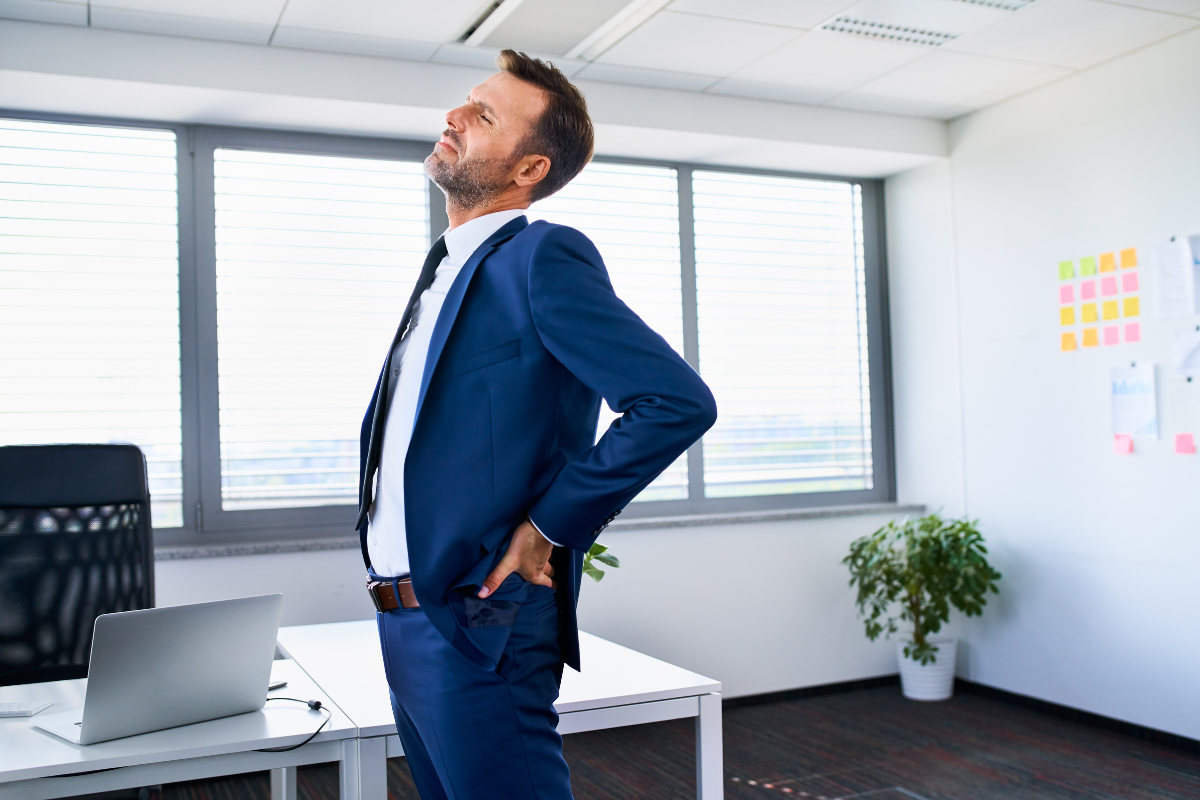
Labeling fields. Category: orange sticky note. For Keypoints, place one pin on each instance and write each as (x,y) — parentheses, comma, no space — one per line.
(1184,444)
(1109,310)
(1066,315)
(1129,258)
(1068,341)
(1087,312)
(1132,307)
(1122,444)
(1090,338)
(1108,262)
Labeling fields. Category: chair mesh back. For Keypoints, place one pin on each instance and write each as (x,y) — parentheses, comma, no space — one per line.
(60,568)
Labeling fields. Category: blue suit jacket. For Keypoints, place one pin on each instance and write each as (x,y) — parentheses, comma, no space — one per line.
(530,337)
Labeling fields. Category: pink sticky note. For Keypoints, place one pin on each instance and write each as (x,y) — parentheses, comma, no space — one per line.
(1184,444)
(1129,282)
(1066,294)
(1087,290)
(1133,332)
(1108,286)
(1112,335)
(1122,444)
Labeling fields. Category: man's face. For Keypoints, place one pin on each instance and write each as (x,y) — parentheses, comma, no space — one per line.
(476,158)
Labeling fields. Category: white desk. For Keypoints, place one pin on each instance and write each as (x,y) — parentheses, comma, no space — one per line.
(617,687)
(35,765)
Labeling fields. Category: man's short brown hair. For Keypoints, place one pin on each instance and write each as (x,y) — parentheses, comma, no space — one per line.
(563,133)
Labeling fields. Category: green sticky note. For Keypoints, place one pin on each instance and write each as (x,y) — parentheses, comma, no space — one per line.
(1066,270)
(1087,265)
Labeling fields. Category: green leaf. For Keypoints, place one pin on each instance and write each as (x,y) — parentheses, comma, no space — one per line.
(609,558)
(595,574)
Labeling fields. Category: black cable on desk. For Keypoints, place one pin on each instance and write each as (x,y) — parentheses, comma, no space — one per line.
(315,705)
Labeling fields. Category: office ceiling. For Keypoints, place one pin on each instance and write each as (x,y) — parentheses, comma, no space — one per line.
(928,58)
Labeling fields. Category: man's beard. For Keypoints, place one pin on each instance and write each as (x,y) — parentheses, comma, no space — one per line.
(469,183)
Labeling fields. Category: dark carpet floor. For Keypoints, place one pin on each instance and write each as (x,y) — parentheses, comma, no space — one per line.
(863,743)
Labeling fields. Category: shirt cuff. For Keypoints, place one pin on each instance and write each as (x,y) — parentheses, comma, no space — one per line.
(544,536)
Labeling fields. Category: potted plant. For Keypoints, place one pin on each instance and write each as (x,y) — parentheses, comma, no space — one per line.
(925,566)
(598,552)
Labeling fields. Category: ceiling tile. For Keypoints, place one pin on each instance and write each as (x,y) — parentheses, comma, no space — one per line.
(1169,6)
(1056,31)
(764,90)
(695,43)
(1023,83)
(305,39)
(44,11)
(827,60)
(807,14)
(411,20)
(242,29)
(947,78)
(552,26)
(1139,38)
(638,76)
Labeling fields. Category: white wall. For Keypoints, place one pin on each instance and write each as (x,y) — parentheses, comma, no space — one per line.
(1099,552)
(761,607)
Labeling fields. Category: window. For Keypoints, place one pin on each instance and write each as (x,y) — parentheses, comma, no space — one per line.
(631,214)
(89,294)
(781,298)
(226,305)
(316,257)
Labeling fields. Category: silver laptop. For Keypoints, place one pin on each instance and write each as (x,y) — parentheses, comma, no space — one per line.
(164,667)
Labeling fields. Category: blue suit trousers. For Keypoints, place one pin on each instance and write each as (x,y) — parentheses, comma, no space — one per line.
(475,734)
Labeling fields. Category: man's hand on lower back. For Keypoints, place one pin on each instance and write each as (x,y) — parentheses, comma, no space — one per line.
(528,555)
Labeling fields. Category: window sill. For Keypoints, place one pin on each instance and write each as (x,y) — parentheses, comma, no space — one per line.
(738,518)
(778,515)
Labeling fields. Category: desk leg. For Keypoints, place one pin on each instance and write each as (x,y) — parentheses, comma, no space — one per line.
(710,762)
(364,769)
(283,783)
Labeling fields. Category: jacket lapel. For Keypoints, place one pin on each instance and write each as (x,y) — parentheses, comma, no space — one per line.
(453,301)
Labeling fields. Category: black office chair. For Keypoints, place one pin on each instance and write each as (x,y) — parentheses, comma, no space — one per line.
(75,543)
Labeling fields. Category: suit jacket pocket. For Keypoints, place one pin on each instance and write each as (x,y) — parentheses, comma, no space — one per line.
(487,357)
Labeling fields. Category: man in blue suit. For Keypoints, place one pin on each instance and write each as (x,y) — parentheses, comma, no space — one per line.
(481,484)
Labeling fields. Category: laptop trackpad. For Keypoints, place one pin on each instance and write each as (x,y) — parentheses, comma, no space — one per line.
(66,724)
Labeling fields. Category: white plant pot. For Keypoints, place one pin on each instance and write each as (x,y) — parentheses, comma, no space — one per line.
(929,681)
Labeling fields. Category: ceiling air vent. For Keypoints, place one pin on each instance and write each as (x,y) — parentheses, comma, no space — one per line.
(1003,5)
(889,30)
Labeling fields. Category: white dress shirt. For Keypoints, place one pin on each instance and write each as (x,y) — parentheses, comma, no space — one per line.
(387,540)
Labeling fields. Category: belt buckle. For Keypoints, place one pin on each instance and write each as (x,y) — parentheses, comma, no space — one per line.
(372,586)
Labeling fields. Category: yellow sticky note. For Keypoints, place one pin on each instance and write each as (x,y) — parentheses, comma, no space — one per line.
(1132,307)
(1129,258)
(1090,338)
(1109,310)
(1068,341)
(1108,262)
(1087,312)
(1067,315)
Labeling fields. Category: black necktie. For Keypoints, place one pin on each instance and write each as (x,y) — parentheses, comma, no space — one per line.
(428,271)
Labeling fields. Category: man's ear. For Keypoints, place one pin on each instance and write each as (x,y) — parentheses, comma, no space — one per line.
(531,170)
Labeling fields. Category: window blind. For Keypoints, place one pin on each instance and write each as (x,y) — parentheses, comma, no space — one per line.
(316,258)
(781,298)
(89,294)
(631,213)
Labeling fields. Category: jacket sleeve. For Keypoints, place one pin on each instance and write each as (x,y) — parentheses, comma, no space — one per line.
(664,405)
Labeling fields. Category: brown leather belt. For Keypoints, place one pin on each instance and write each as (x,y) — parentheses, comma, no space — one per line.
(385,599)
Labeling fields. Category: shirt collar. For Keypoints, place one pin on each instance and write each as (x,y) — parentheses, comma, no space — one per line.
(464,240)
